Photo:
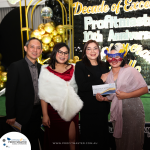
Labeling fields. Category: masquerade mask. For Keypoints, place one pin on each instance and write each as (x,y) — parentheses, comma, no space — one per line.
(120,49)
(115,60)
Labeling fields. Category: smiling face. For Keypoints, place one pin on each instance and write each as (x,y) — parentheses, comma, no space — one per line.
(92,51)
(33,50)
(114,61)
(62,55)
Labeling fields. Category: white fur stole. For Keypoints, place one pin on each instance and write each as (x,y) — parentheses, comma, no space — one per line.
(59,93)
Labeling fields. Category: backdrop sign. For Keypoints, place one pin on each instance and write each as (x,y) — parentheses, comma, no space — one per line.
(125,21)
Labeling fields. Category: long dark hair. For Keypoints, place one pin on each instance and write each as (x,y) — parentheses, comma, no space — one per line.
(84,57)
(56,48)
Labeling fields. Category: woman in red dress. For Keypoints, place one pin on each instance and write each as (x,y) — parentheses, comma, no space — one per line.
(60,104)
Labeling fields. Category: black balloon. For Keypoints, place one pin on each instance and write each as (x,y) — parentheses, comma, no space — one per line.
(58,20)
(54,18)
(67,7)
(47,3)
(53,3)
(57,10)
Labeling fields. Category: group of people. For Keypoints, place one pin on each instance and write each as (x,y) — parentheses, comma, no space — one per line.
(59,91)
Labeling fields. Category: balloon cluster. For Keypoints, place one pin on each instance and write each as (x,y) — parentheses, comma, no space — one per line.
(49,34)
(3,75)
(74,60)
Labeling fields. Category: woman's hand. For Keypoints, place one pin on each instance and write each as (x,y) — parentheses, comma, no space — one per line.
(99,97)
(46,121)
(104,77)
(121,95)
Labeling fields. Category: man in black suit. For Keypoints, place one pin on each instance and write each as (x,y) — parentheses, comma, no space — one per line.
(22,101)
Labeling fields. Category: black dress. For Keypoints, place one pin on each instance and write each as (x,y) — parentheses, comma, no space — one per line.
(94,114)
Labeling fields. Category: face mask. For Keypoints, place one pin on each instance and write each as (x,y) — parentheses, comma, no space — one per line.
(115,60)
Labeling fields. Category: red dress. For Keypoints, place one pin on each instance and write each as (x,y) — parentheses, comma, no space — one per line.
(57,136)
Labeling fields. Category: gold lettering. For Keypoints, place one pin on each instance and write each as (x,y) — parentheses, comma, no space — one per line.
(146,5)
(84,10)
(88,10)
(126,4)
(141,5)
(126,46)
(138,68)
(106,8)
(134,5)
(99,8)
(132,63)
(118,7)
(113,7)
(76,5)
(94,9)
(133,48)
(102,7)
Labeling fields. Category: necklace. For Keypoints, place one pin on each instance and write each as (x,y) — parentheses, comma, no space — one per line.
(115,73)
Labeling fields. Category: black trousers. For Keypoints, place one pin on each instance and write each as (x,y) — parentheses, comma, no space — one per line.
(32,129)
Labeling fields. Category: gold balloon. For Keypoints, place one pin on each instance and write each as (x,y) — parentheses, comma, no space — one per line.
(2,85)
(51,35)
(57,39)
(51,44)
(47,24)
(45,48)
(60,29)
(75,61)
(49,28)
(46,34)
(70,61)
(52,23)
(4,73)
(46,39)
(3,78)
(41,26)
(51,49)
(2,68)
(42,31)
(54,33)
(75,58)
(0,56)
(39,37)
(36,34)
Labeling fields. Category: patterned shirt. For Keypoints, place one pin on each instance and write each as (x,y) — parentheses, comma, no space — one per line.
(34,74)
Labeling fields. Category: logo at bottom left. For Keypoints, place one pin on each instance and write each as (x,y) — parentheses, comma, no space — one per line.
(14,141)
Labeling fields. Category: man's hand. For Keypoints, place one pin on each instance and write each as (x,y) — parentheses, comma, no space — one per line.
(11,121)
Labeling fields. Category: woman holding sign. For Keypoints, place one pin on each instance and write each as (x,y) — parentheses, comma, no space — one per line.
(127,113)
(94,114)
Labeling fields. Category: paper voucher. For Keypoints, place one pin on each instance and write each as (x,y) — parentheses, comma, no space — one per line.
(104,89)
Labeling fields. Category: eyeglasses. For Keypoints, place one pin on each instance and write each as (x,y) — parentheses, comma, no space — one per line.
(61,53)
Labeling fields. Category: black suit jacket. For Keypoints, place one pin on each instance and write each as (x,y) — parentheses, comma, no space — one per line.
(86,77)
(20,92)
